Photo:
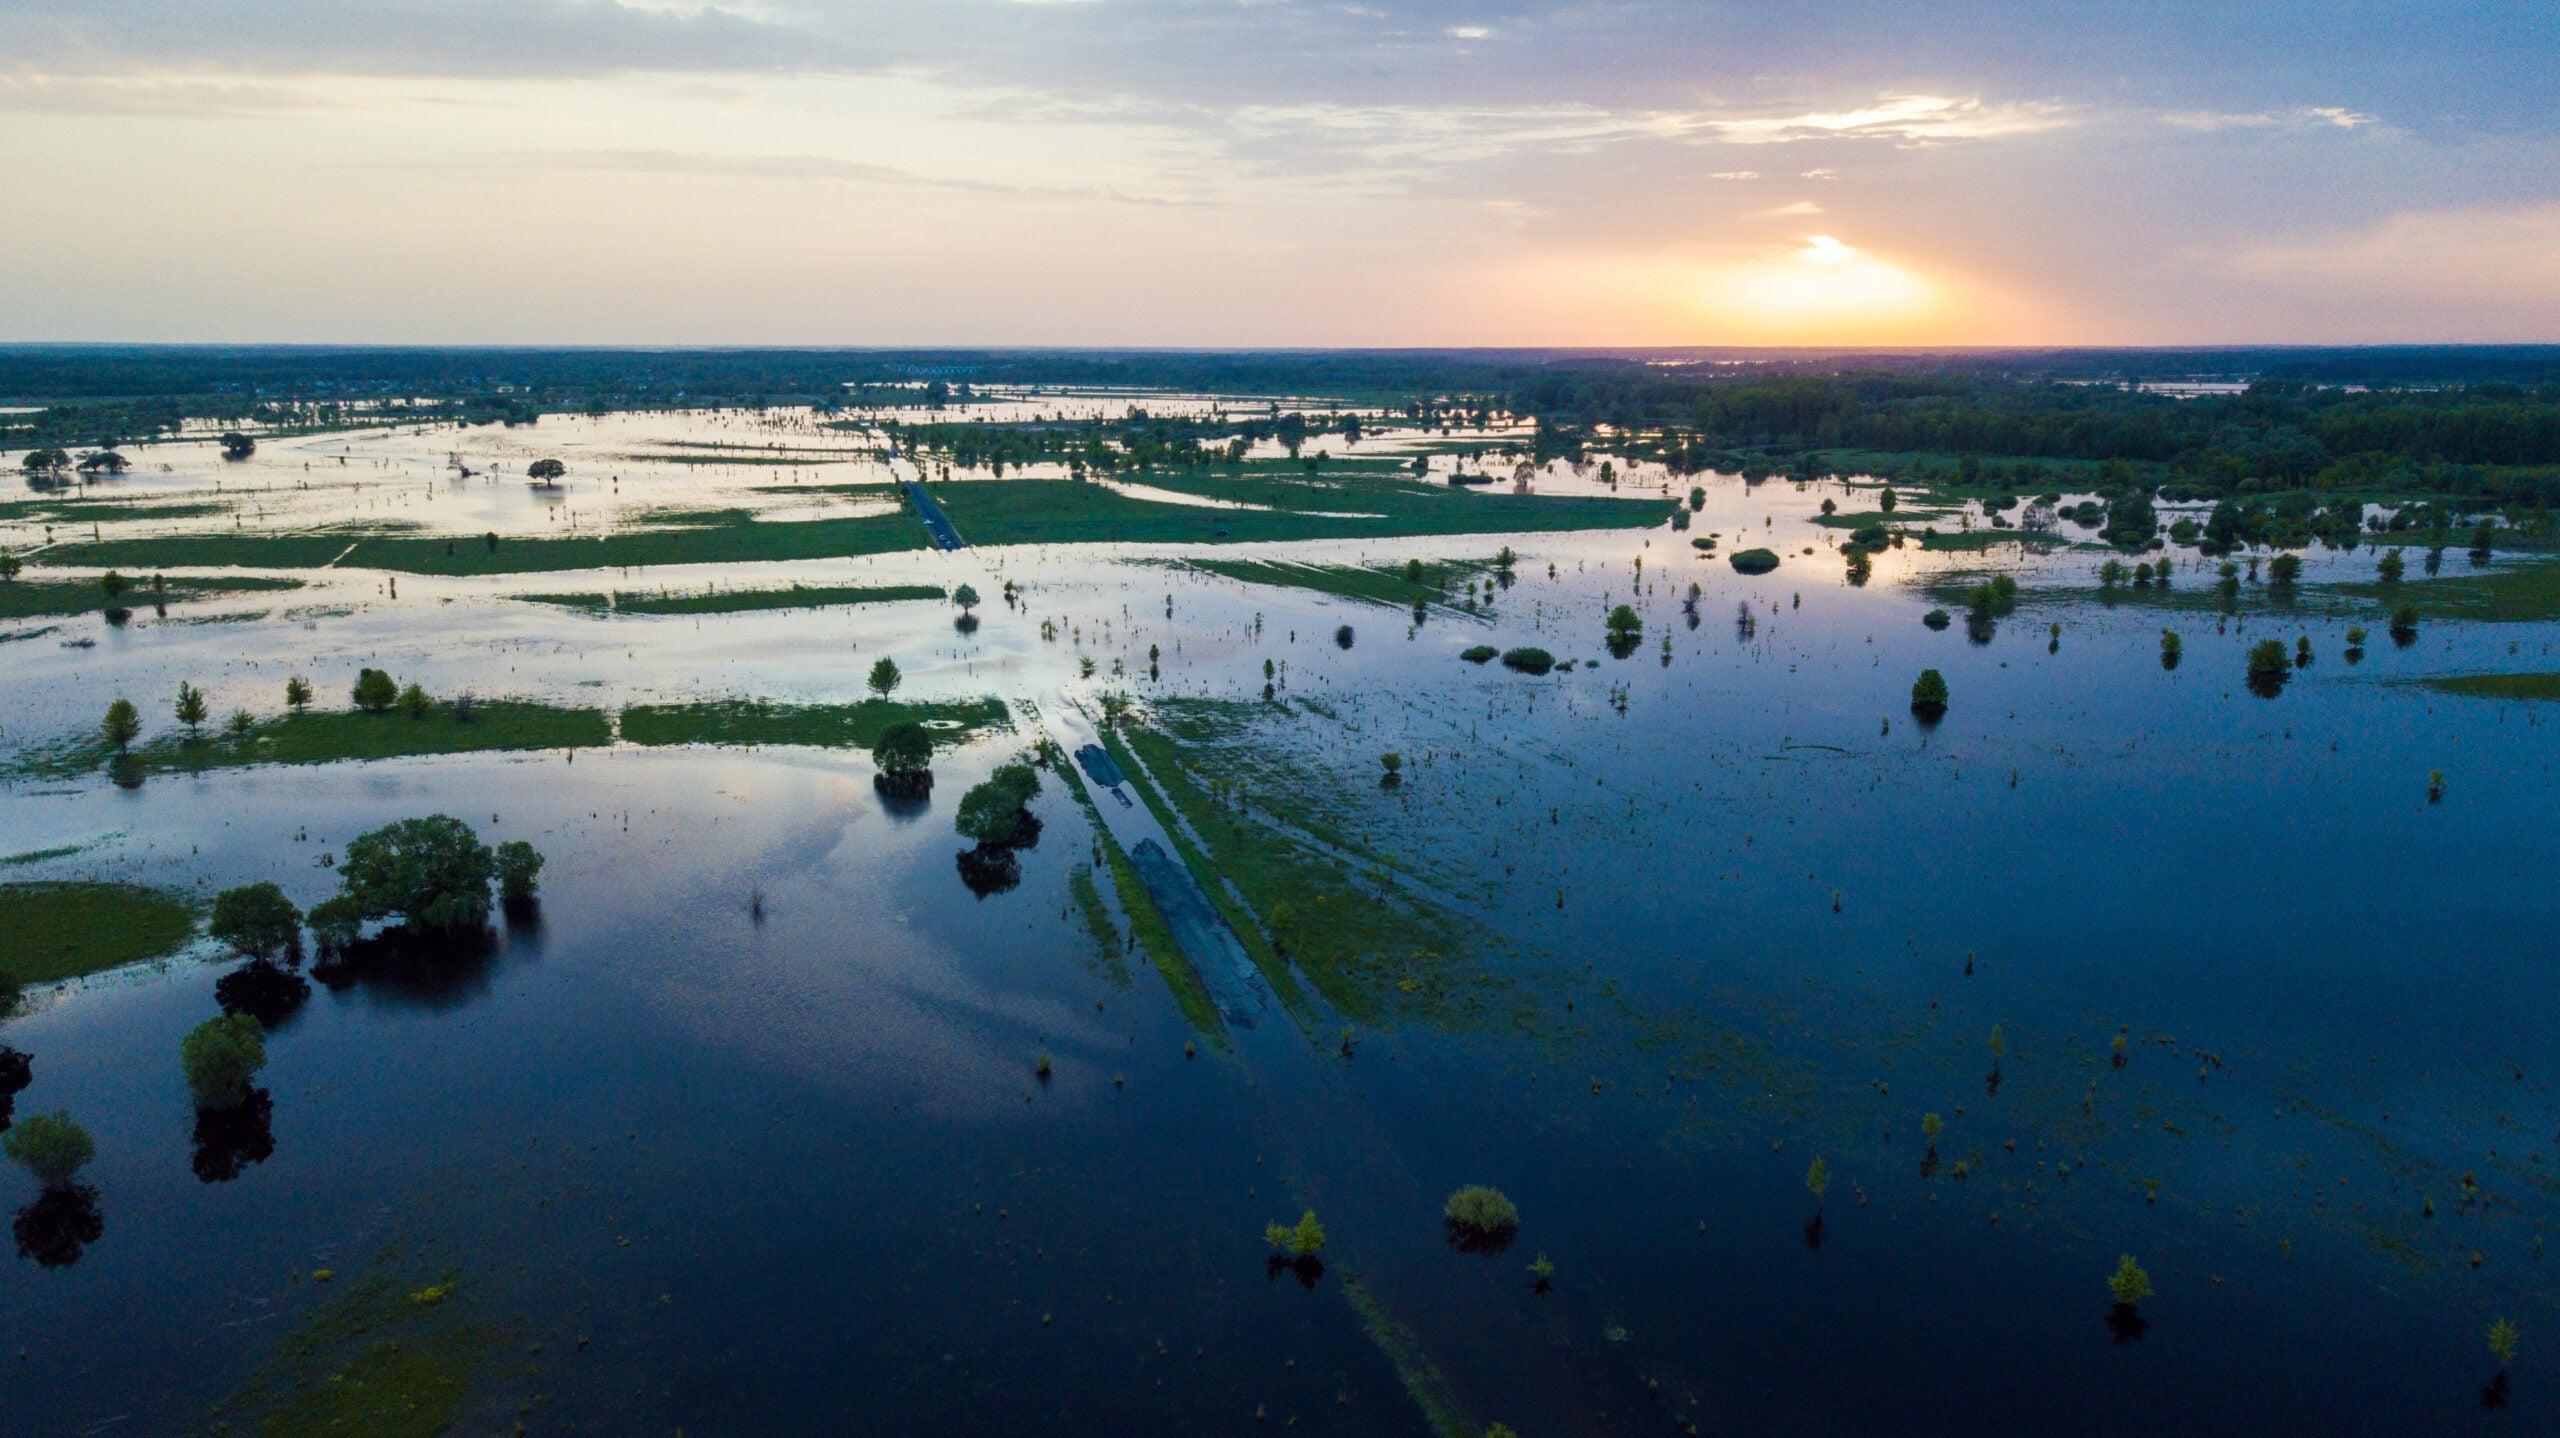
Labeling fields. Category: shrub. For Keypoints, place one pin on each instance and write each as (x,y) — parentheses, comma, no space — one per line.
(52,1146)
(430,872)
(2267,659)
(1703,543)
(2284,570)
(297,693)
(519,870)
(2404,620)
(903,749)
(992,811)
(236,445)
(375,691)
(1391,761)
(2392,567)
(1818,1177)
(2502,1341)
(1929,693)
(1478,653)
(1342,637)
(414,701)
(220,1055)
(257,920)
(1936,619)
(1870,535)
(1753,561)
(1481,1211)
(1529,660)
(2129,1283)
(1305,1240)
(1624,621)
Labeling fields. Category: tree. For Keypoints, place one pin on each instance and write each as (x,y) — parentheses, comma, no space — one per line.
(190,707)
(114,584)
(257,920)
(1818,1177)
(966,597)
(1624,622)
(2111,574)
(2391,567)
(992,811)
(124,723)
(2129,1283)
(414,701)
(52,1146)
(106,462)
(2404,622)
(220,1056)
(430,872)
(903,749)
(2284,570)
(44,465)
(885,677)
(297,693)
(1886,500)
(543,471)
(1303,1240)
(1929,693)
(10,564)
(375,691)
(237,446)
(519,870)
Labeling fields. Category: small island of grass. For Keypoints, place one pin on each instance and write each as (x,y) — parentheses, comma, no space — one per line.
(65,930)
(1753,561)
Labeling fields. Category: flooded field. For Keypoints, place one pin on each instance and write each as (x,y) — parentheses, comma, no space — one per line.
(1833,1054)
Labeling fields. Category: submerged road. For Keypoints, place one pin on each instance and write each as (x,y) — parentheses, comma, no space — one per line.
(936,523)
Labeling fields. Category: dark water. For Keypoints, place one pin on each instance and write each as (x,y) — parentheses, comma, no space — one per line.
(763,1031)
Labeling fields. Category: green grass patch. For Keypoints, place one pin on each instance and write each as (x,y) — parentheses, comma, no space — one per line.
(1033,511)
(2511,593)
(64,930)
(48,598)
(739,601)
(1371,584)
(337,736)
(1422,1379)
(2500,686)
(712,537)
(394,1358)
(828,726)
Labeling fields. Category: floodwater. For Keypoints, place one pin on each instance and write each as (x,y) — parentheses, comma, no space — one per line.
(741,1133)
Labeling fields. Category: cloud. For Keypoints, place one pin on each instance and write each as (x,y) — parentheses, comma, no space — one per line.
(2301,118)
(199,99)
(798,167)
(1800,207)
(1907,118)
(478,38)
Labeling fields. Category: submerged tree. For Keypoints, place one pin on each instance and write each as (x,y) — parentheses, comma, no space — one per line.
(519,871)
(885,677)
(431,872)
(1480,1218)
(904,755)
(123,723)
(256,920)
(237,446)
(1929,695)
(1305,1239)
(2268,668)
(52,1146)
(220,1056)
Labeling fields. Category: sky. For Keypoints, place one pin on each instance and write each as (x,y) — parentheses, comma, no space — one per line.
(1279,173)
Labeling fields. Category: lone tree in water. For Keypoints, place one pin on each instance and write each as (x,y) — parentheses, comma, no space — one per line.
(544,471)
(236,446)
(429,873)
(52,1146)
(257,920)
(993,811)
(519,870)
(885,677)
(123,723)
(904,754)
(220,1056)
(966,596)
(1929,694)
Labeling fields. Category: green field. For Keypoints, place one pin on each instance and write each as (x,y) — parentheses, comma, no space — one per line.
(1373,584)
(61,931)
(836,726)
(710,537)
(53,598)
(336,736)
(1034,511)
(737,601)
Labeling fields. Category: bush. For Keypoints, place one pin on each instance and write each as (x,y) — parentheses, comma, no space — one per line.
(2267,659)
(903,749)
(1529,660)
(2404,620)
(519,870)
(1624,621)
(1873,536)
(2129,1283)
(1703,544)
(992,811)
(885,677)
(430,872)
(123,723)
(1935,619)
(375,691)
(1929,693)
(1478,654)
(2284,571)
(414,701)
(1303,1241)
(220,1055)
(543,470)
(1481,1212)
(51,1146)
(1753,561)
(256,919)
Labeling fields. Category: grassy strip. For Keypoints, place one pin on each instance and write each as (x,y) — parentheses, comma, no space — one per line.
(833,726)
(61,931)
(723,537)
(1422,1378)
(392,1359)
(2528,592)
(2501,686)
(1375,584)
(739,601)
(1189,994)
(1035,511)
(1248,930)
(2523,593)
(338,736)
(1372,955)
(30,599)
(95,510)
(1098,923)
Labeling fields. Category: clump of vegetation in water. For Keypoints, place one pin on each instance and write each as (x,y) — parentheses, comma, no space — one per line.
(2172,648)
(2129,1283)
(2355,644)
(993,811)
(1936,619)
(519,871)
(2284,571)
(1817,1178)
(1304,1240)
(885,677)
(1528,660)
(52,1146)
(428,873)
(2404,625)
(2435,786)
(123,724)
(1480,1218)
(2268,668)
(904,754)
(1478,653)
(1929,695)
(220,1056)
(2391,567)
(256,920)
(2502,1341)
(1753,561)
(1393,763)
(1342,637)
(1626,627)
